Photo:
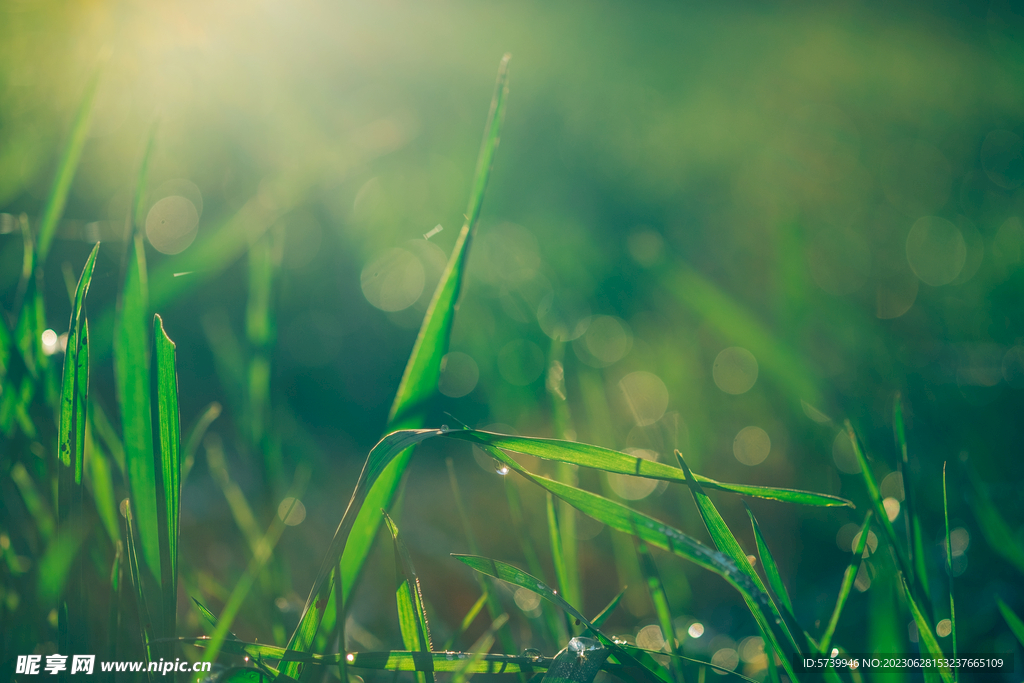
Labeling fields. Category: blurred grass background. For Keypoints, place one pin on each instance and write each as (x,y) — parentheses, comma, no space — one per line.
(834,189)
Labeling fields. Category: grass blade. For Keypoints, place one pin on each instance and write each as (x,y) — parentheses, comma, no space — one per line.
(102,488)
(145,622)
(924,632)
(603,615)
(132,374)
(376,462)
(846,586)
(467,620)
(168,474)
(477,651)
(71,420)
(116,580)
(1012,620)
(66,168)
(412,615)
(615,462)
(660,600)
(195,437)
(557,548)
(915,542)
(949,570)
(771,569)
(765,612)
(423,370)
(577,663)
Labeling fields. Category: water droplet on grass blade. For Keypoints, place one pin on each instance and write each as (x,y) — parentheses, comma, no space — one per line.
(533,653)
(581,645)
(500,467)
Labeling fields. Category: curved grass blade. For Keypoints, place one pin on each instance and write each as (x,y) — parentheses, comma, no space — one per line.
(377,461)
(480,648)
(195,437)
(915,542)
(145,622)
(771,569)
(72,415)
(844,589)
(412,615)
(647,667)
(66,168)
(615,462)
(467,620)
(1012,620)
(579,662)
(557,556)
(210,617)
(168,474)
(603,615)
(423,370)
(660,599)
(102,488)
(949,570)
(925,634)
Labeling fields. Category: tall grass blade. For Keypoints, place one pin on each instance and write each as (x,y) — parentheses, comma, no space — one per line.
(771,569)
(924,632)
(168,473)
(467,620)
(1012,620)
(102,487)
(994,528)
(847,585)
(603,615)
(615,462)
(481,647)
(376,462)
(66,167)
(241,512)
(765,612)
(134,570)
(114,618)
(36,505)
(412,614)
(660,599)
(195,437)
(72,396)
(949,571)
(914,541)
(555,538)
(132,375)
(102,428)
(423,370)
(579,662)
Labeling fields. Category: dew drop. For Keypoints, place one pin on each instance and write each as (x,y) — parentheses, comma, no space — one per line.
(533,654)
(500,467)
(580,645)
(449,656)
(444,428)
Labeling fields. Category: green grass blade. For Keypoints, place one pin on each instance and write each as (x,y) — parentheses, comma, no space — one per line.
(924,632)
(376,462)
(771,569)
(915,543)
(34,501)
(241,512)
(1012,620)
(134,571)
(114,618)
(765,612)
(481,647)
(603,615)
(577,663)
(105,431)
(632,649)
(847,585)
(412,615)
(555,539)
(102,488)
(55,564)
(615,462)
(467,620)
(994,528)
(423,370)
(195,437)
(71,420)
(66,168)
(660,599)
(168,474)
(949,570)
(132,375)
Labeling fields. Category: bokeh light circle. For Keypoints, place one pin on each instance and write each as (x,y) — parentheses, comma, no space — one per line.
(172,224)
(646,396)
(735,370)
(751,445)
(393,281)
(459,374)
(520,362)
(936,250)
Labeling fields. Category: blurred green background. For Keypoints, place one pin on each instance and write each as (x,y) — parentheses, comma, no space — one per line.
(749,221)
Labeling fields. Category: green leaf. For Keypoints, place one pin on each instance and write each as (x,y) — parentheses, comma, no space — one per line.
(145,622)
(615,462)
(913,521)
(924,632)
(66,167)
(771,569)
(764,611)
(467,620)
(603,615)
(660,599)
(195,437)
(168,472)
(949,570)
(423,370)
(1012,620)
(412,614)
(579,662)
(847,585)
(56,562)
(71,434)
(102,488)
(376,462)
(132,375)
